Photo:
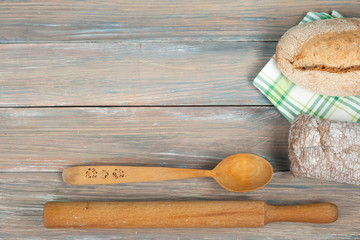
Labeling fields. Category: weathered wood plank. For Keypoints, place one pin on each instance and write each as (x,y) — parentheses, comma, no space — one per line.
(26,21)
(24,194)
(183,73)
(48,139)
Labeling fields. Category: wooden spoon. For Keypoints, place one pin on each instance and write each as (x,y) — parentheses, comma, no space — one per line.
(238,173)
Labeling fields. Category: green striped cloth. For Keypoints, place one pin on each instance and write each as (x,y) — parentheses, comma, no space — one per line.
(292,100)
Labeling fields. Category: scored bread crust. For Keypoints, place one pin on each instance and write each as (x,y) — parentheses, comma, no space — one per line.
(331,83)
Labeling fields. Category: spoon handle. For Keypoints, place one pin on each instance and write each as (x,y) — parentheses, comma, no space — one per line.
(85,175)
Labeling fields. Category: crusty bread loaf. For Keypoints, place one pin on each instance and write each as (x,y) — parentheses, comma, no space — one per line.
(325,149)
(323,56)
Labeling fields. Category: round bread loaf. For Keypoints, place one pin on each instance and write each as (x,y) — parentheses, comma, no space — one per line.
(323,56)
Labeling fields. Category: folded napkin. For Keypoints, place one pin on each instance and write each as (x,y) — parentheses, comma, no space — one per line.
(292,100)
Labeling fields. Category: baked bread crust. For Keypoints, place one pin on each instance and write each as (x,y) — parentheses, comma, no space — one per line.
(324,149)
(323,56)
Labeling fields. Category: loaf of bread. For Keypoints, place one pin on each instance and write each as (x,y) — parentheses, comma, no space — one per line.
(324,149)
(323,56)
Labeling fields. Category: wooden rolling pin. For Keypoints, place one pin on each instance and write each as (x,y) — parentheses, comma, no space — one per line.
(190,214)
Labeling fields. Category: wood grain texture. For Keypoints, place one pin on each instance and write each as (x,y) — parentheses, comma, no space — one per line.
(196,56)
(103,74)
(34,21)
(24,195)
(48,139)
(182,214)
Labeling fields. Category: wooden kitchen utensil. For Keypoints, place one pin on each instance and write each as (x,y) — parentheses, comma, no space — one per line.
(196,214)
(238,173)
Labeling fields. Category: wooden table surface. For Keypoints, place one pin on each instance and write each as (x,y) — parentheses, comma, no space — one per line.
(150,83)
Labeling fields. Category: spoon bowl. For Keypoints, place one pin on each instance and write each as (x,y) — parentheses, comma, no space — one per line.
(243,172)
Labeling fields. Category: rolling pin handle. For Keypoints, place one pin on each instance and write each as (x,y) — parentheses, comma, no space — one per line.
(308,213)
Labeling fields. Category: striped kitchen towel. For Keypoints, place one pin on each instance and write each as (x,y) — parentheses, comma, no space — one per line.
(292,100)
